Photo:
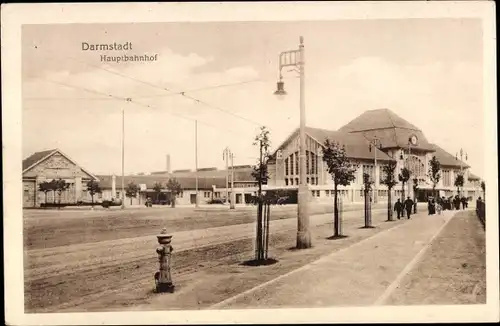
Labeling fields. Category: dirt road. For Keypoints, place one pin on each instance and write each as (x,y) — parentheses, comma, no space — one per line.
(73,275)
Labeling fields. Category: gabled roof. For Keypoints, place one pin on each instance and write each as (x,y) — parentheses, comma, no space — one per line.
(446,159)
(377,119)
(392,130)
(357,147)
(38,157)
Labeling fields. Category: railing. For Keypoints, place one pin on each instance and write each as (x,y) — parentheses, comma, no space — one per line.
(481,212)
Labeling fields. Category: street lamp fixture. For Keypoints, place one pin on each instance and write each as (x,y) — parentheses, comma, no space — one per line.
(280,91)
(295,59)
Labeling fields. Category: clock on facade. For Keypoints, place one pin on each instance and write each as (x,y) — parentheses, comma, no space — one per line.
(413,140)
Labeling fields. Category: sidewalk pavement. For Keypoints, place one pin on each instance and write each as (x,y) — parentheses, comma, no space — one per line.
(364,273)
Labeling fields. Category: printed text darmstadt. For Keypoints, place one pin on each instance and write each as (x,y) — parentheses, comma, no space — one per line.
(127,46)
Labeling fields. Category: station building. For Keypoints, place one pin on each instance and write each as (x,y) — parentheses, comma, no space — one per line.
(397,140)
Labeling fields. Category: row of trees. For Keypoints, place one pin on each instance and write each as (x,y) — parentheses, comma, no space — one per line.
(58,186)
(343,172)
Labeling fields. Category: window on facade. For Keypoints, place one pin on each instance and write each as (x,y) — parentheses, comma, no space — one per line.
(286,181)
(327,193)
(382,174)
(292,160)
(368,169)
(296,164)
(446,178)
(313,163)
(308,180)
(291,181)
(415,166)
(307,163)
(297,181)
(286,167)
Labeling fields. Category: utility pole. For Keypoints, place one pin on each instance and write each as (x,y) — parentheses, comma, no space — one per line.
(225,156)
(123,156)
(233,195)
(376,144)
(303,234)
(196,158)
(461,166)
(296,58)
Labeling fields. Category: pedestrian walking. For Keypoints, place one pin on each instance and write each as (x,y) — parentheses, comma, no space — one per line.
(408,205)
(464,202)
(439,208)
(398,207)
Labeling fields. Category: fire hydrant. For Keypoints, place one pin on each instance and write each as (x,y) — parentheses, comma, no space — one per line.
(163,278)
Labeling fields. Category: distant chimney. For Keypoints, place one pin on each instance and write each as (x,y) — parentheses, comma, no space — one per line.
(168,164)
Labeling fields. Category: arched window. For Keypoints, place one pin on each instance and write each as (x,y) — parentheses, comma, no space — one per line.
(416,167)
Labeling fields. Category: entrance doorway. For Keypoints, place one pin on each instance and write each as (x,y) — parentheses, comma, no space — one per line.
(192,198)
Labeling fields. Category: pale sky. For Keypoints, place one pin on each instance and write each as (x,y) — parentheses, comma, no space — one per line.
(428,71)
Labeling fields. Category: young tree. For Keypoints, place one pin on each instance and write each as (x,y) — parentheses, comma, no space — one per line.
(93,189)
(390,181)
(415,190)
(45,187)
(53,184)
(175,189)
(367,183)
(342,170)
(261,174)
(459,183)
(157,187)
(404,176)
(434,173)
(61,185)
(131,191)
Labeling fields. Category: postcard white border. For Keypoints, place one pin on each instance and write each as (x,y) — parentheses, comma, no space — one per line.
(15,15)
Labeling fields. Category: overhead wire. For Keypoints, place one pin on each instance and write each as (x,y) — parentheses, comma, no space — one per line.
(110,96)
(165,89)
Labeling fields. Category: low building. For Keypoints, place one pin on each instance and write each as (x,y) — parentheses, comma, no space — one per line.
(50,165)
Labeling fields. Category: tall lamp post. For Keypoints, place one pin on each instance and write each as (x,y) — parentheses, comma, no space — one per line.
(295,58)
(412,141)
(377,144)
(227,156)
(461,163)
(123,154)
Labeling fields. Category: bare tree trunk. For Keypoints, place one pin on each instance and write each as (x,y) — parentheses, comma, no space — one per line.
(258,240)
(268,216)
(389,205)
(403,199)
(335,212)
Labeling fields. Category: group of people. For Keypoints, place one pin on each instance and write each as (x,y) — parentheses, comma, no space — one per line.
(433,205)
(407,206)
(443,203)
